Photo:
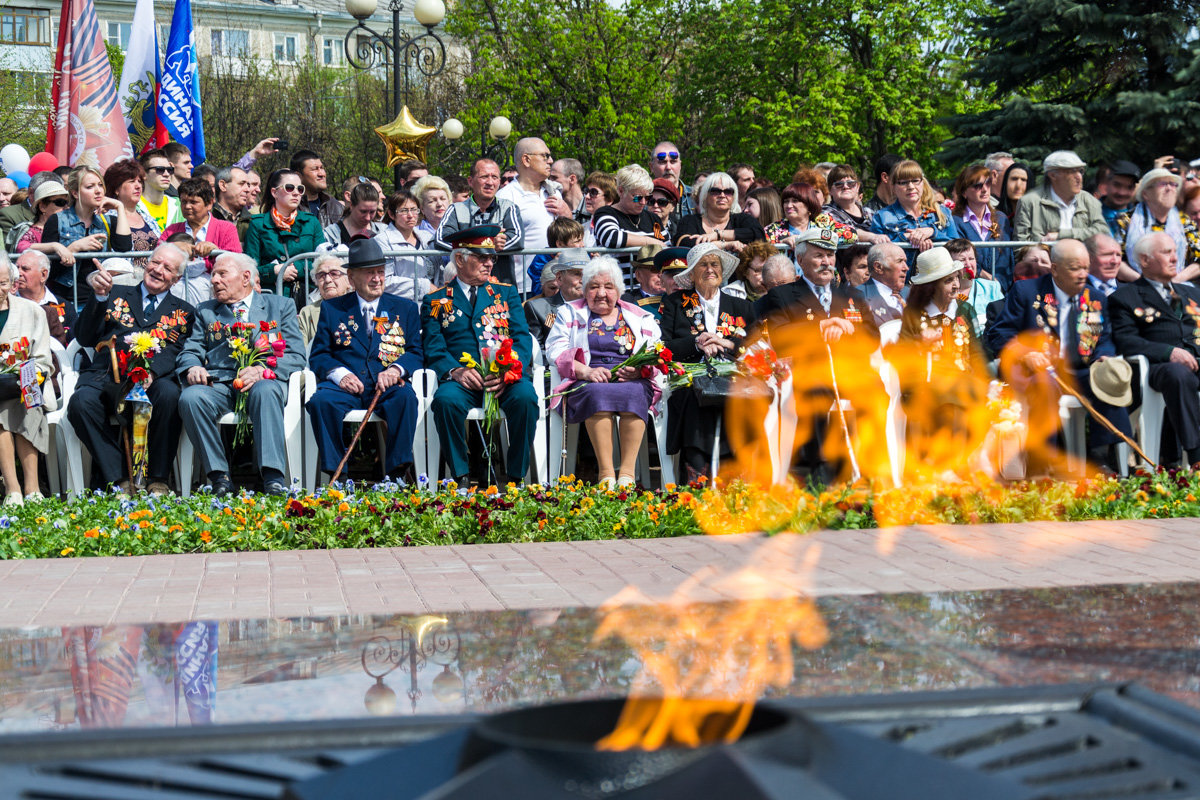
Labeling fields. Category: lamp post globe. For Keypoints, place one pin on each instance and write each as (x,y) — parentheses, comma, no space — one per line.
(499,127)
(429,12)
(452,129)
(361,9)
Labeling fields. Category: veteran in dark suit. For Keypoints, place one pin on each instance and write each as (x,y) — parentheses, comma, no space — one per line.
(470,313)
(367,341)
(112,314)
(540,311)
(885,292)
(208,368)
(648,294)
(1159,319)
(804,317)
(1057,321)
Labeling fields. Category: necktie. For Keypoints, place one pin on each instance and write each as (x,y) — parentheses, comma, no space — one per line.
(898,298)
(151,302)
(471,297)
(826,298)
(1070,337)
(1175,300)
(239,312)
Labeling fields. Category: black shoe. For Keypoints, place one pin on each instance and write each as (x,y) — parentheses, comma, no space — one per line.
(275,488)
(405,473)
(221,484)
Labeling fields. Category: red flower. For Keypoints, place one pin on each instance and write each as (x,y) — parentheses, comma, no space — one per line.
(513,374)
(279,345)
(264,326)
(648,371)
(666,355)
(123,360)
(272,361)
(138,374)
(268,374)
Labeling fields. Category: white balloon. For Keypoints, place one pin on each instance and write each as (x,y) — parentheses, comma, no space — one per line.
(14,158)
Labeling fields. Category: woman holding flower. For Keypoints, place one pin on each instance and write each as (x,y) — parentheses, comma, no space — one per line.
(590,339)
(24,432)
(701,322)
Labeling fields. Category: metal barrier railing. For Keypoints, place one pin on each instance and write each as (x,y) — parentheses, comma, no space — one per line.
(404,254)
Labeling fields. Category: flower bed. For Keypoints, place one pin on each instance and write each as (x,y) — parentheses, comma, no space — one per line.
(391,516)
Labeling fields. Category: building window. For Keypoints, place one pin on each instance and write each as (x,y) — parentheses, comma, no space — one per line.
(24,26)
(230,43)
(119,33)
(331,53)
(285,47)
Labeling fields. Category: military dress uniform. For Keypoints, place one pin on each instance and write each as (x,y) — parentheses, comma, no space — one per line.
(124,311)
(453,325)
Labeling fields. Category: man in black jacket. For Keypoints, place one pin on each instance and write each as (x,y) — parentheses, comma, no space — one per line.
(114,313)
(1159,319)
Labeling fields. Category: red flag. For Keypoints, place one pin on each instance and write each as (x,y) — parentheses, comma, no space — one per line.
(86,124)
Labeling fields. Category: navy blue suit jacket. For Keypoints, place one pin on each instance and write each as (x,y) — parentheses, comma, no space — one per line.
(345,339)
(1020,314)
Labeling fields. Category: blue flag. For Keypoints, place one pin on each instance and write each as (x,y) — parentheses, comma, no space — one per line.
(179,99)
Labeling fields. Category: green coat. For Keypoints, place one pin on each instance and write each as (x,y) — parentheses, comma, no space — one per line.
(268,245)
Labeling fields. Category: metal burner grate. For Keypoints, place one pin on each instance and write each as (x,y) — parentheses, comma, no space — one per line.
(1044,743)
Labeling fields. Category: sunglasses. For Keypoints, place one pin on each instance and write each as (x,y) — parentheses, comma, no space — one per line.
(291,187)
(641,198)
(661,202)
(61,202)
(725,192)
(592,191)
(979,187)
(848,183)
(664,157)
(163,170)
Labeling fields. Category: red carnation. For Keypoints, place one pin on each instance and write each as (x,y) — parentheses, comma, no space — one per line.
(666,355)
(138,374)
(264,326)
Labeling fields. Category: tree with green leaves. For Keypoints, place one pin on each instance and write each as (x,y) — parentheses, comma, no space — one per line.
(1107,78)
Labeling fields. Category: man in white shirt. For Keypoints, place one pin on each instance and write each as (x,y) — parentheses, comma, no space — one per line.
(538,198)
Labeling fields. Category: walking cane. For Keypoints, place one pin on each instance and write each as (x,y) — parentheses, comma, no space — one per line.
(366,418)
(837,398)
(111,345)
(1096,415)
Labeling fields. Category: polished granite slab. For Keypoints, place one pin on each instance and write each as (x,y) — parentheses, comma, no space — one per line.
(360,666)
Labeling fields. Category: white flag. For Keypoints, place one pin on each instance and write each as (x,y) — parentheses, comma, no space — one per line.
(140,78)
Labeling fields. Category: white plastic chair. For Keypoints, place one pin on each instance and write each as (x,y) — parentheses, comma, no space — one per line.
(65,447)
(293,413)
(422,381)
(897,422)
(566,437)
(1154,409)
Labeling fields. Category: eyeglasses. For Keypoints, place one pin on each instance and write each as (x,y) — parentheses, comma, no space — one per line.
(407,211)
(292,187)
(846,183)
(163,170)
(911,182)
(726,192)
(329,276)
(662,158)
(661,202)
(640,198)
(545,156)
(979,187)
(592,191)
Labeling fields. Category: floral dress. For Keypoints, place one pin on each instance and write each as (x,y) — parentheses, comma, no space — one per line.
(609,345)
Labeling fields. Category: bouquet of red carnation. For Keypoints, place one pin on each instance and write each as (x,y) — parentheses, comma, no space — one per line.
(266,350)
(650,358)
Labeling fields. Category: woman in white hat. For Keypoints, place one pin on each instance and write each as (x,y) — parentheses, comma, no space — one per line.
(942,366)
(1157,194)
(700,321)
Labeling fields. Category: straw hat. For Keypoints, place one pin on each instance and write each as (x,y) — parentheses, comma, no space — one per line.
(729,263)
(1112,381)
(1152,177)
(935,264)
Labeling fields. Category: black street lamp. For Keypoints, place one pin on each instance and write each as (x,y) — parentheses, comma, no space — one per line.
(397,46)
(498,129)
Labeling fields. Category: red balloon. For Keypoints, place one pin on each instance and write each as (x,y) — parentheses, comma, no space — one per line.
(42,162)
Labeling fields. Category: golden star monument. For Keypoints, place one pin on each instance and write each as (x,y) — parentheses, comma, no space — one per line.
(405,138)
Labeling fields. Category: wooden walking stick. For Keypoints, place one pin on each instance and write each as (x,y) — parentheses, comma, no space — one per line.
(357,433)
(111,346)
(1096,415)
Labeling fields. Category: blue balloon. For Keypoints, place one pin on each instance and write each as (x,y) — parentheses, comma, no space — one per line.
(21,179)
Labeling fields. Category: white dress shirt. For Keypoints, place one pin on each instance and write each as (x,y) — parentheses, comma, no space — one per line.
(1066,211)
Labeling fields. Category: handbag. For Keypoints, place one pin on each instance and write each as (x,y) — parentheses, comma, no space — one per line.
(713,388)
(10,387)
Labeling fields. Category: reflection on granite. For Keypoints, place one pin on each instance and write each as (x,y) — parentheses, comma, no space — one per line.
(159,675)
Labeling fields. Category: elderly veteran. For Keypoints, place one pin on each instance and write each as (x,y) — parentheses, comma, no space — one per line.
(329,276)
(649,292)
(1157,194)
(212,375)
(1057,322)
(33,268)
(700,321)
(367,342)
(115,313)
(24,432)
(1059,208)
(458,321)
(592,335)
(568,269)
(1159,318)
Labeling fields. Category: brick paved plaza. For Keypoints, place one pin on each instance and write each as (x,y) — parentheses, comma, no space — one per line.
(586,574)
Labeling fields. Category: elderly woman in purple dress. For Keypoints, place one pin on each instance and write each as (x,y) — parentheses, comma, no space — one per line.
(589,338)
